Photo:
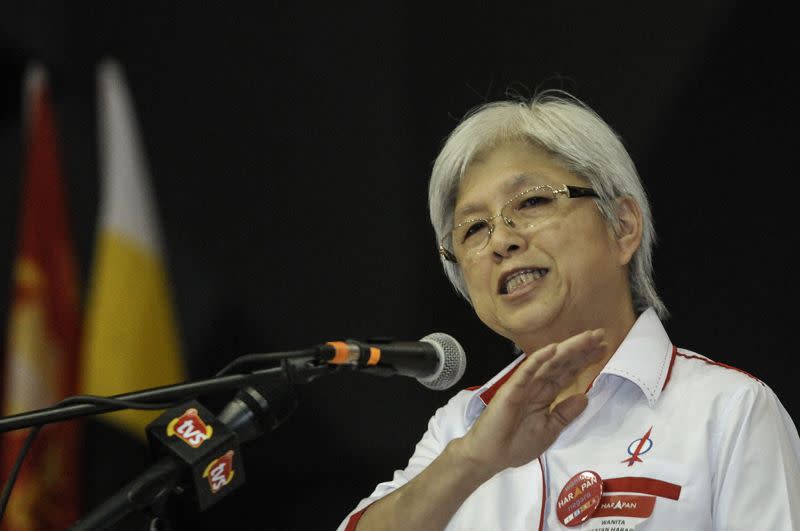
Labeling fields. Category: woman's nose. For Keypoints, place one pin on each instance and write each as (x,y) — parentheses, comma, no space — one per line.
(506,238)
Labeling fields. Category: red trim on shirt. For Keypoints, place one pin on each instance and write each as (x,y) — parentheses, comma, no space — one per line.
(354,518)
(654,487)
(671,363)
(718,364)
(487,395)
(544,496)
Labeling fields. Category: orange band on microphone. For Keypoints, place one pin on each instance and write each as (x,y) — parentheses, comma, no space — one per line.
(374,356)
(342,352)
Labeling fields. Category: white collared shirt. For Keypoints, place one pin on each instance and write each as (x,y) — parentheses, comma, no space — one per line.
(680,442)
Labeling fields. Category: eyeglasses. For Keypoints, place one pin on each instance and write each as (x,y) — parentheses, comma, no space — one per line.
(523,211)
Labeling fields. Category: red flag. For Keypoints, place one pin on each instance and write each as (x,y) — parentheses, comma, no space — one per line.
(43,331)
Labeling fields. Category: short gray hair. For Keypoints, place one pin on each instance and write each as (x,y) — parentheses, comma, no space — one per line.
(578,139)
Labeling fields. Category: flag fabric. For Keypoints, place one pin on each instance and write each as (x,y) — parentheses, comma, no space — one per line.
(43,335)
(130,339)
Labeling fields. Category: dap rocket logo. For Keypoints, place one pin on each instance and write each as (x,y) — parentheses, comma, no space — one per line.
(639,447)
(219,471)
(190,428)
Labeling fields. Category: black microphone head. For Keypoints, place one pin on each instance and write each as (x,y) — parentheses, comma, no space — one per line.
(452,361)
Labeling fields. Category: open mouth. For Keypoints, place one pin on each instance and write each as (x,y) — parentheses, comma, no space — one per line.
(517,279)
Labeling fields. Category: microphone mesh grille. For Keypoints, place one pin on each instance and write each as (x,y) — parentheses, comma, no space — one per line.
(452,362)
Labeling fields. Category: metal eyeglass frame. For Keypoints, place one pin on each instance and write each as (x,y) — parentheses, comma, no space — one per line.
(568,191)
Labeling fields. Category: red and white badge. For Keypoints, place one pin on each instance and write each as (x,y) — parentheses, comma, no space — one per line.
(579,498)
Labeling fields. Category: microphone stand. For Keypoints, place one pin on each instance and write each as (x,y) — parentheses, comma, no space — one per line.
(167,393)
(152,488)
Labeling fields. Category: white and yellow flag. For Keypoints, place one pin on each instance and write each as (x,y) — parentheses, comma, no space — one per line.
(131,340)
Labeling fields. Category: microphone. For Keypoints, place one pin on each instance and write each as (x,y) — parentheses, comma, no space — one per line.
(193,435)
(437,360)
(195,447)
(257,409)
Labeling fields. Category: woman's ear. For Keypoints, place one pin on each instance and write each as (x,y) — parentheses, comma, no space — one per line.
(629,228)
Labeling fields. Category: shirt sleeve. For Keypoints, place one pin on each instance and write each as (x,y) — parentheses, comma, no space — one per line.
(446,424)
(757,466)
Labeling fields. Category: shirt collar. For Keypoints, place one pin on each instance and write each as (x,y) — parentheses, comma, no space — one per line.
(643,357)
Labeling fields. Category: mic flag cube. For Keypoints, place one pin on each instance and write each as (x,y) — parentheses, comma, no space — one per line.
(193,435)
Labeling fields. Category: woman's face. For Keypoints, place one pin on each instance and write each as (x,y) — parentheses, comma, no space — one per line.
(540,285)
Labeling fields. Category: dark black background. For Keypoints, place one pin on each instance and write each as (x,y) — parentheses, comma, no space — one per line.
(290,146)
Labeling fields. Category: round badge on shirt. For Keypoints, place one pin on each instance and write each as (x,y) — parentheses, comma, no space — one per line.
(579,498)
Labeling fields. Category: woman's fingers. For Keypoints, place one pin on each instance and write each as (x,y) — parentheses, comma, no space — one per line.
(521,421)
(568,409)
(548,370)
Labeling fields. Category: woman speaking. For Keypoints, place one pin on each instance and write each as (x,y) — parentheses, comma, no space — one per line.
(602,422)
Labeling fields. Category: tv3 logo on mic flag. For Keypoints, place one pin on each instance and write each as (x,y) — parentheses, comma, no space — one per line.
(220,471)
(204,444)
(190,428)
